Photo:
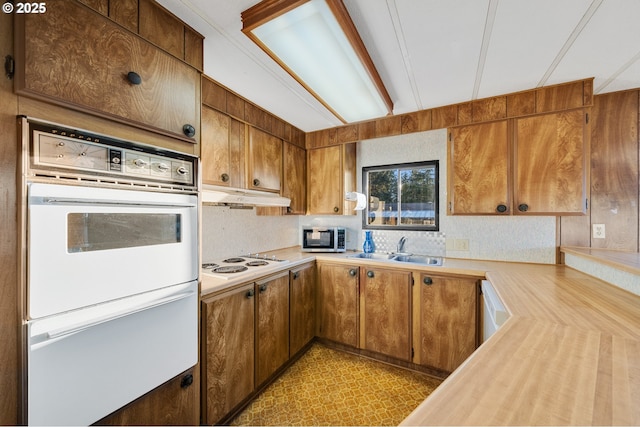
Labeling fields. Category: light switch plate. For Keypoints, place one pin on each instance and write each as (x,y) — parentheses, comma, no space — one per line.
(598,231)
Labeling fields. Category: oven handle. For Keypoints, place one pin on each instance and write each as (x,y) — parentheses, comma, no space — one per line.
(78,327)
(69,201)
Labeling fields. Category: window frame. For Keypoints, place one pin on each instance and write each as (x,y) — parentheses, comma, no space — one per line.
(400,166)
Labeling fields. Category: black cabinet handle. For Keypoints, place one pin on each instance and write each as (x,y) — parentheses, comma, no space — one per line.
(256,182)
(427,280)
(263,288)
(189,130)
(502,208)
(352,272)
(523,207)
(250,293)
(224,177)
(134,78)
(370,274)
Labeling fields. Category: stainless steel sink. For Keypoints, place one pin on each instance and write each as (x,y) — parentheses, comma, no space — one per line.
(404,258)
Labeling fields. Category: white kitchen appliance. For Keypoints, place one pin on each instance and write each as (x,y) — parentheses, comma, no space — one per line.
(494,313)
(111,259)
(244,267)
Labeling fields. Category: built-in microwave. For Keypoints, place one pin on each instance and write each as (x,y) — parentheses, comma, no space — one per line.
(324,239)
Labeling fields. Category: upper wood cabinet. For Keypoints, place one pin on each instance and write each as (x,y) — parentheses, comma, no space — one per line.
(385,311)
(264,165)
(294,184)
(222,149)
(551,163)
(536,165)
(478,165)
(75,57)
(445,324)
(331,174)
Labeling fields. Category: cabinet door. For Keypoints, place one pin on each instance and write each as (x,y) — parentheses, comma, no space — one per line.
(302,289)
(295,178)
(385,312)
(479,169)
(227,351)
(222,149)
(338,303)
(265,161)
(447,322)
(551,163)
(58,65)
(273,325)
(331,173)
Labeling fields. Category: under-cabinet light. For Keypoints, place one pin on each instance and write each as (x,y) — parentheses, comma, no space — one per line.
(316,42)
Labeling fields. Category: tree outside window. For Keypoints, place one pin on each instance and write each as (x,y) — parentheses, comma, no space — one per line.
(401,196)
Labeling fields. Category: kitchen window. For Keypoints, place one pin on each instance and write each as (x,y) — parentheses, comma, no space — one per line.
(401,196)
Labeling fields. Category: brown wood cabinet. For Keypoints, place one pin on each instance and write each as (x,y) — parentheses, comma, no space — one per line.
(331,174)
(385,311)
(478,165)
(337,304)
(264,158)
(302,300)
(445,320)
(551,163)
(533,165)
(222,149)
(227,348)
(272,325)
(295,178)
(175,402)
(56,64)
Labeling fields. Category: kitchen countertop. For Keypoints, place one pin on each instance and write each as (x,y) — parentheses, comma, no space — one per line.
(569,354)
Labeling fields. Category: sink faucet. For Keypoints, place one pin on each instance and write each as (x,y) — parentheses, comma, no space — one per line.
(401,243)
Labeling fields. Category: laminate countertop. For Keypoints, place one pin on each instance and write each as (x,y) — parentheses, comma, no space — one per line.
(569,354)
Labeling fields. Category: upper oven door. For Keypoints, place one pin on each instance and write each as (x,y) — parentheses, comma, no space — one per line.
(92,245)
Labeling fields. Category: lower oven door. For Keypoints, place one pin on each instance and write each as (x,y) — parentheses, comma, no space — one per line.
(91,245)
(86,364)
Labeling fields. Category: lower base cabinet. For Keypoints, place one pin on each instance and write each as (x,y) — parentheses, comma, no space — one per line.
(227,352)
(337,303)
(302,301)
(445,320)
(173,403)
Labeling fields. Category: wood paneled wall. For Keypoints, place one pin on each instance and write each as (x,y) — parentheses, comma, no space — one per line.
(546,99)
(615,178)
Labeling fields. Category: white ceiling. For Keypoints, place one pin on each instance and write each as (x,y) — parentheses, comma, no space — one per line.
(431,53)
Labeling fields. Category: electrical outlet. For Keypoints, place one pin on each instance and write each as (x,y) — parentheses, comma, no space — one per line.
(598,231)
(461,244)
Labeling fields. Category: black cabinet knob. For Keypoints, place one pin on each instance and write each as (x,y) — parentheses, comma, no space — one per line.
(352,272)
(370,274)
(250,293)
(295,275)
(134,78)
(523,207)
(189,130)
(263,288)
(502,208)
(427,280)
(336,209)
(224,177)
(256,182)
(186,381)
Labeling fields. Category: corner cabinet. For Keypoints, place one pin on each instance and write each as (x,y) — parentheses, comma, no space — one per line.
(294,184)
(337,303)
(536,165)
(385,311)
(331,174)
(117,75)
(445,320)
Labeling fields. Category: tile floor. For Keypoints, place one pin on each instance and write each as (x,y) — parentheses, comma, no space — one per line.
(329,387)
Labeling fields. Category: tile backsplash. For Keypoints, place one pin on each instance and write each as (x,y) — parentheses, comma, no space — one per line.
(417,242)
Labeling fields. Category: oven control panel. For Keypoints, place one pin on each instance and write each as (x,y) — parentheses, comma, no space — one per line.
(84,153)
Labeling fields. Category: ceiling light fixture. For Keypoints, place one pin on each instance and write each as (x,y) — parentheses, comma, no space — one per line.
(316,42)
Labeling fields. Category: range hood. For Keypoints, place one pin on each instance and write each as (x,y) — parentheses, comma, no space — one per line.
(213,194)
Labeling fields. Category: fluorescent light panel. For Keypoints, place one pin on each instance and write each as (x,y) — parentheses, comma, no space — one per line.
(310,44)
